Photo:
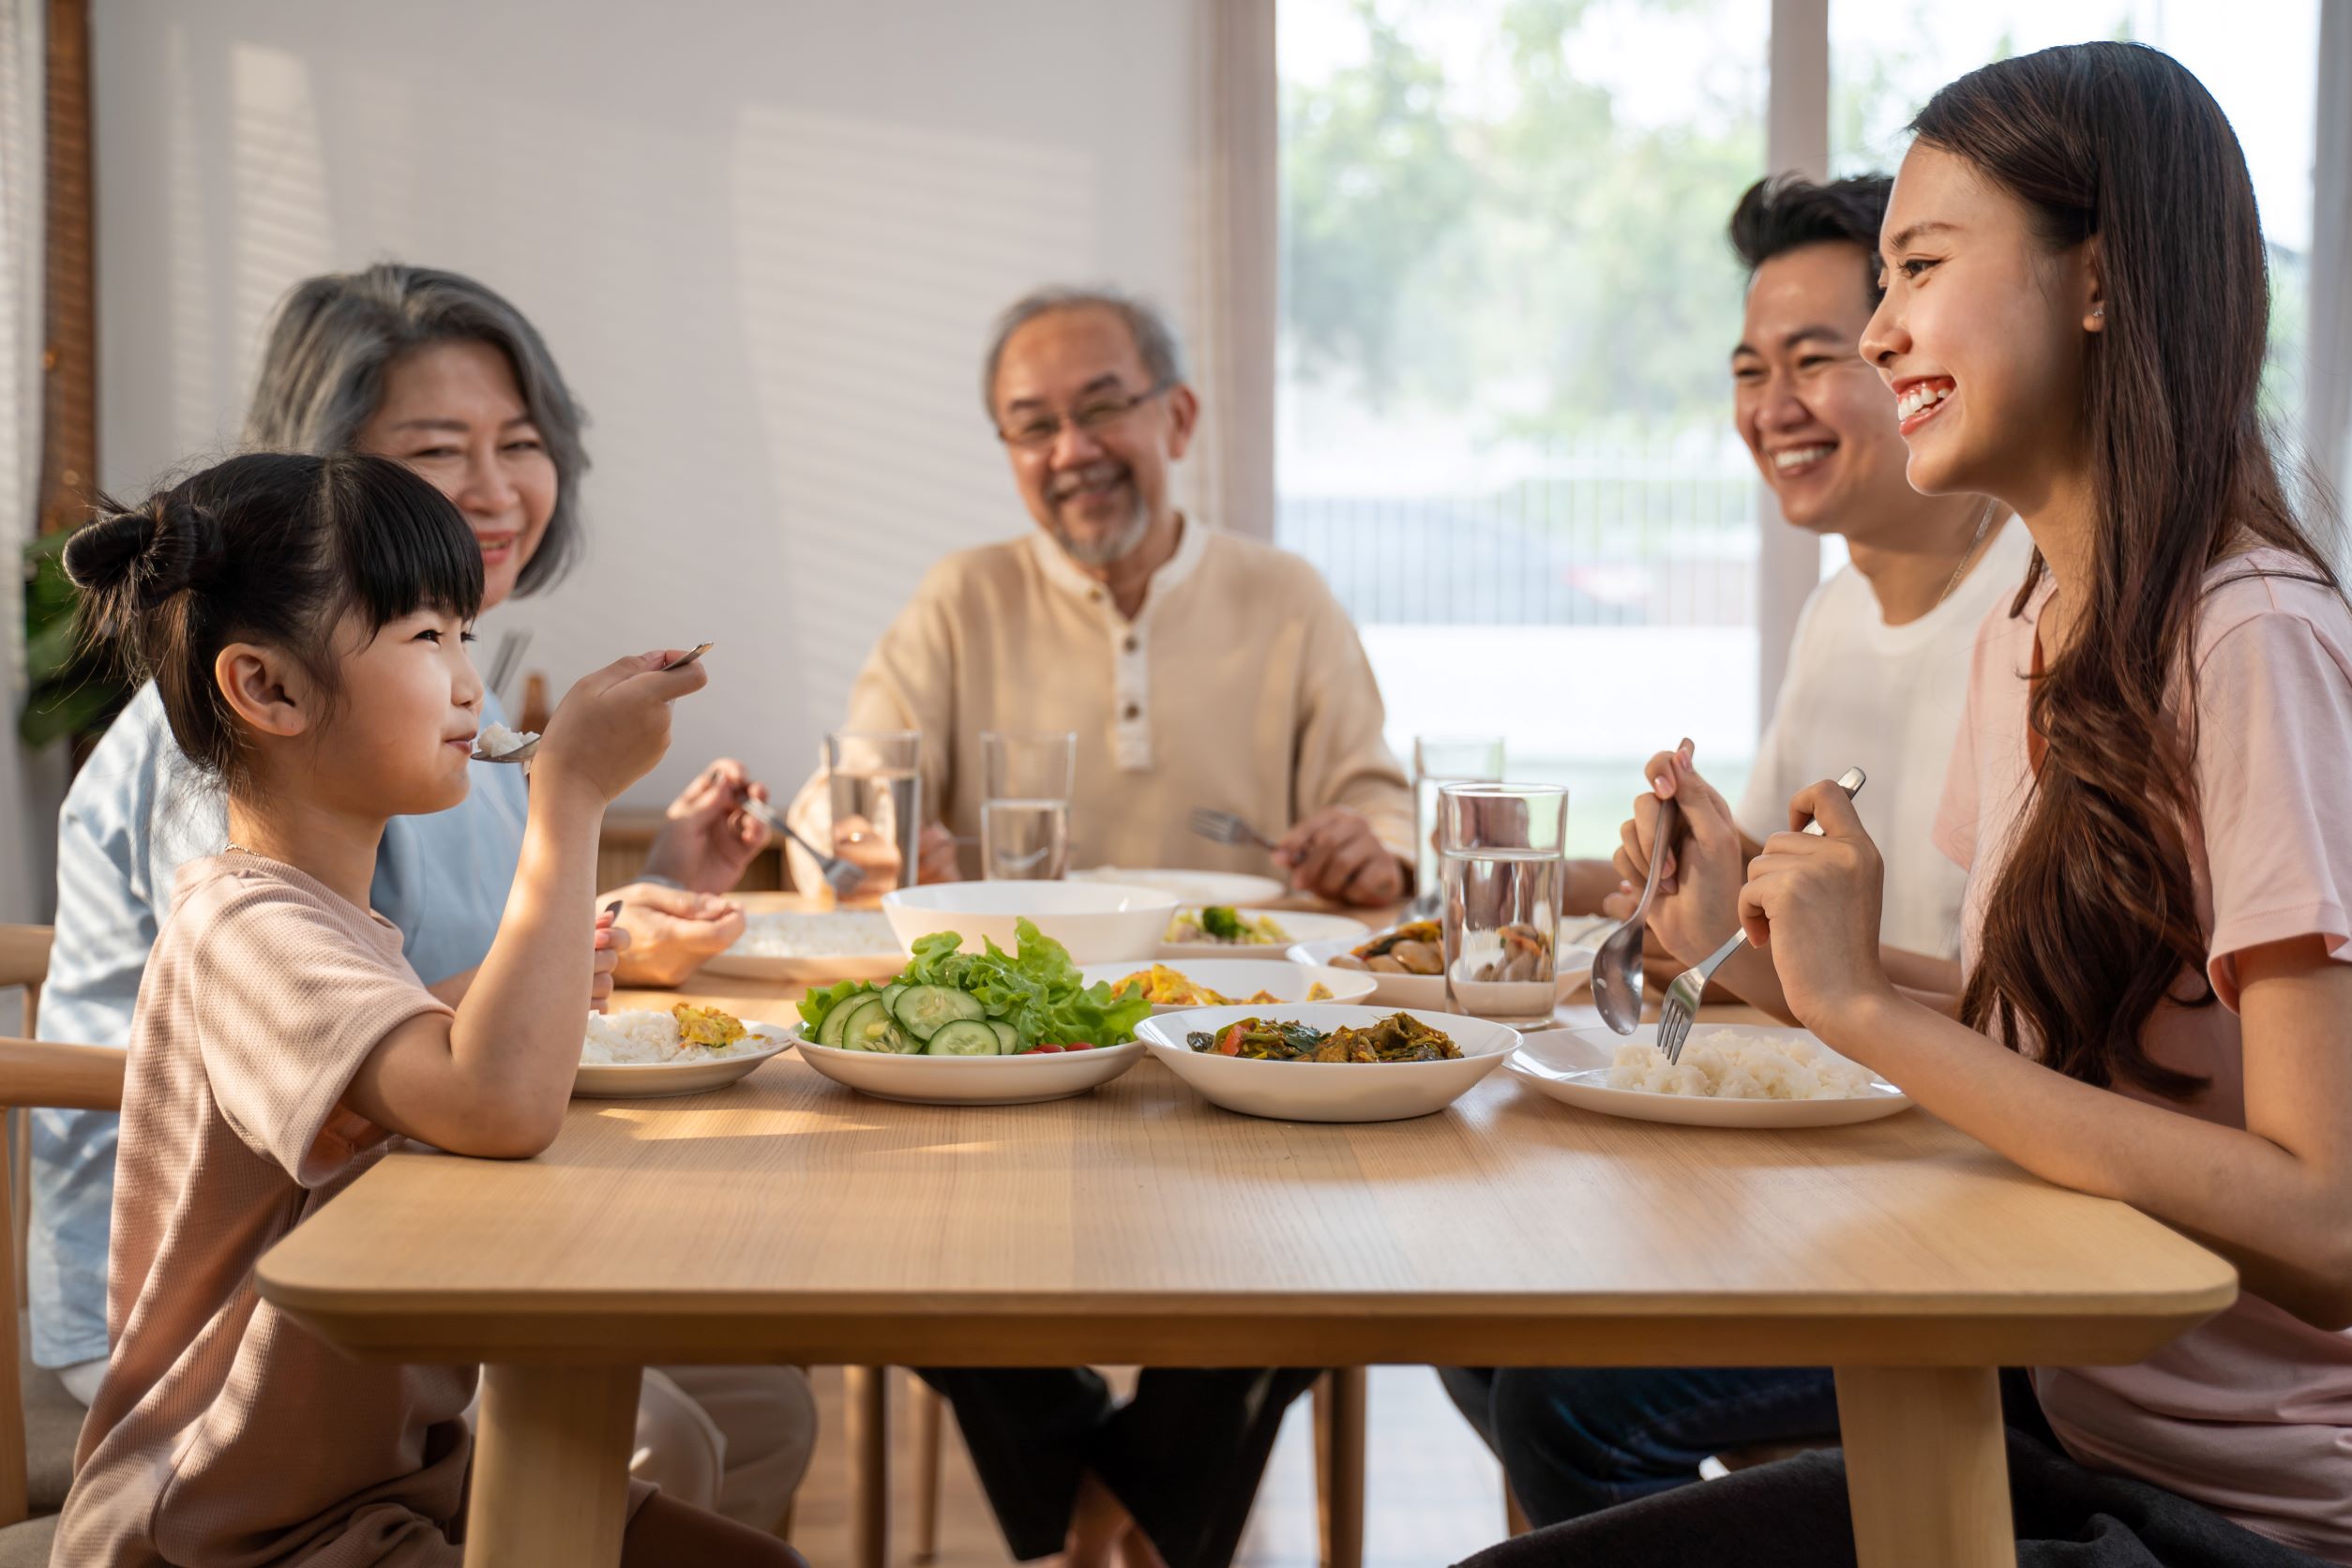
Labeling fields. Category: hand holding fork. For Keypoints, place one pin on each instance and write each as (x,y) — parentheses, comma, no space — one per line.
(1682,997)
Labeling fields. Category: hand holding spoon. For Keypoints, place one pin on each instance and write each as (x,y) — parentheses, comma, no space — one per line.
(522,746)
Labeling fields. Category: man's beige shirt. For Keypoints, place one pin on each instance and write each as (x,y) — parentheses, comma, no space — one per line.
(1238,685)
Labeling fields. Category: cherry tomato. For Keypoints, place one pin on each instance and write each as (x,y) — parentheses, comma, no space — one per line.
(1045,1050)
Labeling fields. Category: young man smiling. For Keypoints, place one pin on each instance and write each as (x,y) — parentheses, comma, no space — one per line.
(1878,677)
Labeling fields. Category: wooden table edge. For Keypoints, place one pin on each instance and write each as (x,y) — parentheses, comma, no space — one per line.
(1026,1330)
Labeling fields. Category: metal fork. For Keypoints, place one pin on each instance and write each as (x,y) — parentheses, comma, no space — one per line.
(840,876)
(1223,827)
(1681,998)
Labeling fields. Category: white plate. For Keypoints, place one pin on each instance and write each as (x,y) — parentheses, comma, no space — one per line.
(1573,968)
(1241,977)
(655,1080)
(1100,923)
(1301,927)
(885,959)
(972,1080)
(1572,1065)
(1192,887)
(1327,1091)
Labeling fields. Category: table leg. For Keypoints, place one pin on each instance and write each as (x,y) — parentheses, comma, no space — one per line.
(931,1443)
(1340,1398)
(1926,1467)
(865,1410)
(551,1465)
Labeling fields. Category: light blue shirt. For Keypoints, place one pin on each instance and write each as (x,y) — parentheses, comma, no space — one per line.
(137,811)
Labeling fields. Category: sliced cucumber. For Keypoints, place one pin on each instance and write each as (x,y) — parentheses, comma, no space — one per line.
(963,1037)
(891,992)
(925,1009)
(1009,1039)
(867,1027)
(829,1031)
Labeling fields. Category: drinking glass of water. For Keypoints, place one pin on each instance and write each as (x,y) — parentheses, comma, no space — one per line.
(1503,869)
(875,782)
(1025,804)
(1442,760)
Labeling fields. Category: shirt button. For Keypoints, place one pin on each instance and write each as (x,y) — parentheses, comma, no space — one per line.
(1129,644)
(1133,712)
(1093,596)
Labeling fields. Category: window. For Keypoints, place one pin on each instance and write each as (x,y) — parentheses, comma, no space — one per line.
(2255,56)
(1502,411)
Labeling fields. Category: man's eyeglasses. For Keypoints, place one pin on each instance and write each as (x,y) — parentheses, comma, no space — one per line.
(1035,432)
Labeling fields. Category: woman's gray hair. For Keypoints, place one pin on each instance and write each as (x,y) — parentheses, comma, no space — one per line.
(1163,358)
(336,336)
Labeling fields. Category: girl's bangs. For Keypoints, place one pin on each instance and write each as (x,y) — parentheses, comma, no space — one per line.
(407,548)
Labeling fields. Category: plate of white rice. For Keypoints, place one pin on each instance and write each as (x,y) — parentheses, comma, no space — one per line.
(641,1054)
(1730,1076)
(813,945)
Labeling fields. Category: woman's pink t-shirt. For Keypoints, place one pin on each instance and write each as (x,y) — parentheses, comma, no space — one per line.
(2252,1414)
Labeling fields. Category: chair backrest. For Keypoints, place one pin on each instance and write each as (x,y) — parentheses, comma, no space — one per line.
(24,962)
(34,1073)
(37,1073)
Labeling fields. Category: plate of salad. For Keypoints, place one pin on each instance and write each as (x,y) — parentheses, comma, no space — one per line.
(962,1028)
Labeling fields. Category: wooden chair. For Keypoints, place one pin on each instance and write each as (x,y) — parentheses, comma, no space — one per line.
(37,1436)
(1339,1443)
(24,962)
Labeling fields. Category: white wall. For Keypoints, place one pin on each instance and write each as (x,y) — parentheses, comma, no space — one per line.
(764,241)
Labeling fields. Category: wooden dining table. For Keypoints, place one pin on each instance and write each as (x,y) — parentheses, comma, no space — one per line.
(788,1219)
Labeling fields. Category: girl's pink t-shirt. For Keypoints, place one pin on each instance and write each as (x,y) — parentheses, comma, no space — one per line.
(2250,1414)
(224,1432)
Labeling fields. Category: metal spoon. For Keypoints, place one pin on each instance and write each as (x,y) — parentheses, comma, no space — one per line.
(523,753)
(530,748)
(1617,968)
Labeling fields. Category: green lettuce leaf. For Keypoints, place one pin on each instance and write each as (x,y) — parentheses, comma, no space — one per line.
(816,1004)
(1036,988)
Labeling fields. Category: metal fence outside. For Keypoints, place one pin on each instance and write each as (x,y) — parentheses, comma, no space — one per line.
(1659,533)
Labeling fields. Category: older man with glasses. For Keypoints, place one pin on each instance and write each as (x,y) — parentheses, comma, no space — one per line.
(1197,668)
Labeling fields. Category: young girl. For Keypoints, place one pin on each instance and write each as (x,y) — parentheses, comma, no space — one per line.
(303,620)
(2150,796)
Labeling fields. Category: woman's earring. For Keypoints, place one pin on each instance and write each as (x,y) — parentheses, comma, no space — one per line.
(2098,312)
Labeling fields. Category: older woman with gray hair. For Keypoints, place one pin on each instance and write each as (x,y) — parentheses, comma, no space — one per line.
(436,370)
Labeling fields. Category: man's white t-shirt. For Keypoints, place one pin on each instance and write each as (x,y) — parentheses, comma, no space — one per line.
(1886,698)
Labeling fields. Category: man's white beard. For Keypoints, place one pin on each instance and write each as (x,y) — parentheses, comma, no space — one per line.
(1115,545)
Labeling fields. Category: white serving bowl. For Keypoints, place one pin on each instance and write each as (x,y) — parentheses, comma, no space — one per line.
(1241,977)
(1100,923)
(1327,1091)
(1572,969)
(972,1080)
(1193,887)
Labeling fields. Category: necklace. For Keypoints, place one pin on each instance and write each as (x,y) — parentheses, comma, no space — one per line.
(1960,569)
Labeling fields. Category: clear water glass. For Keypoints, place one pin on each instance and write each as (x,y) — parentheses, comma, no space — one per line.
(1026,781)
(1440,759)
(1502,872)
(875,778)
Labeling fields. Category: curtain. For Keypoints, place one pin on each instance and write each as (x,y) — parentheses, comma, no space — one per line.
(26,826)
(1240,263)
(2327,434)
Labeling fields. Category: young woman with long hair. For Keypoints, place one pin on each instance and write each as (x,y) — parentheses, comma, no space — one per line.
(2153,795)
